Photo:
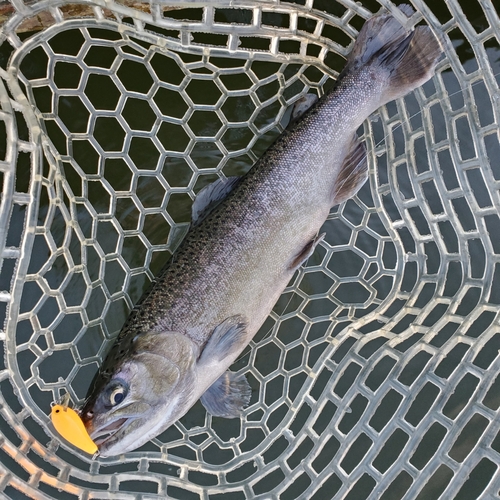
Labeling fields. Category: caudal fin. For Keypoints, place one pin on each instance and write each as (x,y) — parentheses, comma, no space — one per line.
(404,59)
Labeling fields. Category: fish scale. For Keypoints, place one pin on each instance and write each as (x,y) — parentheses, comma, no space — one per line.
(237,258)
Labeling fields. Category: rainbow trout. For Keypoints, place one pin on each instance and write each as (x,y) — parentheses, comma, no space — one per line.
(248,237)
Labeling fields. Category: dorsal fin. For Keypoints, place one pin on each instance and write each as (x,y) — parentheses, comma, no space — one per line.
(210,196)
(176,235)
(353,173)
(301,106)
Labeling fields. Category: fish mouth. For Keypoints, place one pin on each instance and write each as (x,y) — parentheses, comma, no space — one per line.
(103,434)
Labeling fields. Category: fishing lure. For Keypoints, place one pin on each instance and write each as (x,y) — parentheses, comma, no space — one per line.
(69,425)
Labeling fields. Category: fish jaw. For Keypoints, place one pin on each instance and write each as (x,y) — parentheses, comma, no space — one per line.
(157,384)
(133,432)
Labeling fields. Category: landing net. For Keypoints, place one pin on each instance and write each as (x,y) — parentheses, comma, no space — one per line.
(376,375)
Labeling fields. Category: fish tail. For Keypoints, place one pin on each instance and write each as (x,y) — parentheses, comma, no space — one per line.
(404,59)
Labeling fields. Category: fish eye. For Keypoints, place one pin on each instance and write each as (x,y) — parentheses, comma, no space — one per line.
(117,395)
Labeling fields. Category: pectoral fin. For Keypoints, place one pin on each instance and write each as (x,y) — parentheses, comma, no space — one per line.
(228,338)
(227,396)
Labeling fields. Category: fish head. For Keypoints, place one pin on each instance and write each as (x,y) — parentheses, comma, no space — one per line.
(143,395)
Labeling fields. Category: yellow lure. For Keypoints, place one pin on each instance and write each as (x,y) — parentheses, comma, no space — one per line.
(69,425)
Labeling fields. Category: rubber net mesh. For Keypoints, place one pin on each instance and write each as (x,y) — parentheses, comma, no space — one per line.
(376,374)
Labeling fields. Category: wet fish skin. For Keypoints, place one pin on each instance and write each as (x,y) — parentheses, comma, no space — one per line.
(234,263)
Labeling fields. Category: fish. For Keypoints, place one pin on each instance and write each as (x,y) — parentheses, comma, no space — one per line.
(247,238)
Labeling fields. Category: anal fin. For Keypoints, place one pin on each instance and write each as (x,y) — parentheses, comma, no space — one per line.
(227,396)
(353,173)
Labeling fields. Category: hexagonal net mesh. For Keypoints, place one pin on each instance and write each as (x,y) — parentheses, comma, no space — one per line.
(376,374)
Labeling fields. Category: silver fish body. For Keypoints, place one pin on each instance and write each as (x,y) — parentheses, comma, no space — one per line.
(243,249)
